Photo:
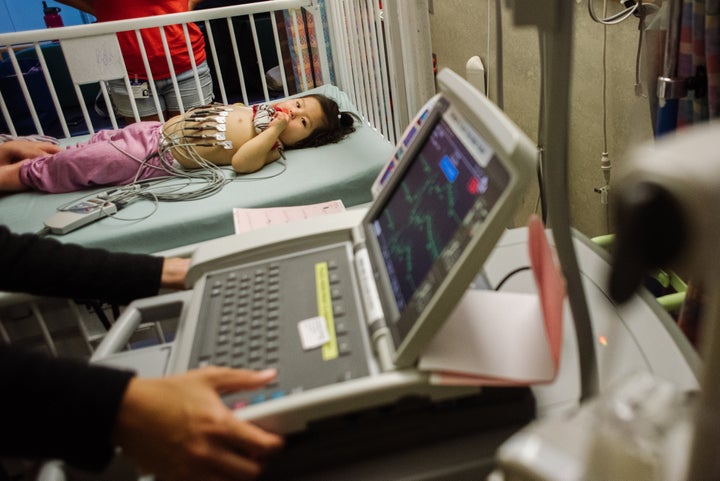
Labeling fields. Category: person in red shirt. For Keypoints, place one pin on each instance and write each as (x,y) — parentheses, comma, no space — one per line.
(161,70)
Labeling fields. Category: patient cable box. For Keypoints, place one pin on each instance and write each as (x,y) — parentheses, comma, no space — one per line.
(79,214)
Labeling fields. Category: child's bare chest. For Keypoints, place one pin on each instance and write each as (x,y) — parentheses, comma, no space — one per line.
(210,135)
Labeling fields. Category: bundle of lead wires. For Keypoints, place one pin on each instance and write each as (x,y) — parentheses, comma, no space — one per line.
(181,184)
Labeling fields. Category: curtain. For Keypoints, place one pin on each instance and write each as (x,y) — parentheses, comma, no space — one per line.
(699,60)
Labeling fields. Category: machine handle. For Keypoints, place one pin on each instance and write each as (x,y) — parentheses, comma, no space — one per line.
(143,310)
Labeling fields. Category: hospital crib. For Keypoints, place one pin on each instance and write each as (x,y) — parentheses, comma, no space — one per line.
(52,80)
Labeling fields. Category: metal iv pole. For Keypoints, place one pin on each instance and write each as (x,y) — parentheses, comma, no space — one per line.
(554,19)
(670,88)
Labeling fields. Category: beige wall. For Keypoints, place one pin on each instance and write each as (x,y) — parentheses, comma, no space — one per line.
(459,30)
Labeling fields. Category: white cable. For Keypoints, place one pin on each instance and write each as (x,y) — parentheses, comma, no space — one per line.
(211,177)
(613,19)
(604,81)
(605,163)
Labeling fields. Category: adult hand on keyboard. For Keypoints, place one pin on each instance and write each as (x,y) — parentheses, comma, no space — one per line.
(178,428)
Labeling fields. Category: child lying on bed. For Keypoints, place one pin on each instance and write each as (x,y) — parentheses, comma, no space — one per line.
(246,138)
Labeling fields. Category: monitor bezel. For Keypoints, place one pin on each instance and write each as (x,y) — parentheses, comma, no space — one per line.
(516,153)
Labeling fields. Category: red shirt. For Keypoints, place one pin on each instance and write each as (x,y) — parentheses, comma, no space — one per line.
(107,10)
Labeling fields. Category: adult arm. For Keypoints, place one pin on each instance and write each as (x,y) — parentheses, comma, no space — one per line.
(175,427)
(46,267)
(58,408)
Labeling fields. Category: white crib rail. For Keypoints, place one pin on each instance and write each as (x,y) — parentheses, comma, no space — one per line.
(12,43)
(380,56)
(383,58)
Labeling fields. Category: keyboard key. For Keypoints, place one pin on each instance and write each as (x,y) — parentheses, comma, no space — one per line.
(344,347)
(238,363)
(345,376)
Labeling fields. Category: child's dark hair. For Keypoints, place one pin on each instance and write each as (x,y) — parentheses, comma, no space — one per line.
(336,127)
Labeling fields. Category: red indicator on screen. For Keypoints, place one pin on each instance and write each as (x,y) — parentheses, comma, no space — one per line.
(473,186)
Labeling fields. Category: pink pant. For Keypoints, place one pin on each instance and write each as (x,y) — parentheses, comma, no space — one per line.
(105,159)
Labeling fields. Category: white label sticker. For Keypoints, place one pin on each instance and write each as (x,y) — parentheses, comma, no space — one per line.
(140,89)
(313,332)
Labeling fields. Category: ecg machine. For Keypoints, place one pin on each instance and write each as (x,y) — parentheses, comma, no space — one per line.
(344,304)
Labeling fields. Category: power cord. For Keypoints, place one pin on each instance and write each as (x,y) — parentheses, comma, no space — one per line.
(605,163)
(511,274)
(630,8)
(640,10)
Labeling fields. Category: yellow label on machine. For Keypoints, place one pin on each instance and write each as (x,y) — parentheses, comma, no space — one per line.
(324,303)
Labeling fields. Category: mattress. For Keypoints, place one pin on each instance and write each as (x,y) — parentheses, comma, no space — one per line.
(342,171)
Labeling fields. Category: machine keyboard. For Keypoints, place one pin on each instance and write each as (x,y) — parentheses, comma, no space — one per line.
(242,323)
(248,328)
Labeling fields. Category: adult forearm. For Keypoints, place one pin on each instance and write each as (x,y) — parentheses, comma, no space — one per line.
(58,408)
(44,266)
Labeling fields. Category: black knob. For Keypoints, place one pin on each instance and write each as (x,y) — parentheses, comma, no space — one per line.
(650,233)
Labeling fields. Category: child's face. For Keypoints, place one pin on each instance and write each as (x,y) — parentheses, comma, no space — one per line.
(305,116)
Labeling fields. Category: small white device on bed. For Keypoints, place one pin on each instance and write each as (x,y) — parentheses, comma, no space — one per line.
(78,214)
(90,208)
(343,305)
